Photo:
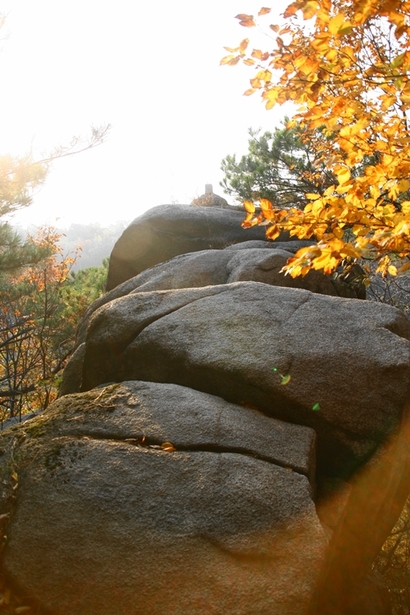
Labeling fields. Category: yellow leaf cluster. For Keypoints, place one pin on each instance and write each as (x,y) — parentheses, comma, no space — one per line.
(346,65)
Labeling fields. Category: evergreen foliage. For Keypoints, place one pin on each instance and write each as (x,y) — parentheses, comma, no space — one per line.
(280,166)
(41,306)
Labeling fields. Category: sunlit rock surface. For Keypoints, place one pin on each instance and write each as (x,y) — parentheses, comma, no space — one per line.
(167,494)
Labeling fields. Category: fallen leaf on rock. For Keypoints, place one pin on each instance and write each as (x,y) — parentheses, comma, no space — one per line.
(168,446)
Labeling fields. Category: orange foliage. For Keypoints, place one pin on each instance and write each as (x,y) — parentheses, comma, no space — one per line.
(345,64)
(33,347)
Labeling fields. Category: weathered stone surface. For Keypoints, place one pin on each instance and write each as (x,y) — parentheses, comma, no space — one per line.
(211,267)
(348,284)
(107,522)
(191,420)
(292,245)
(72,377)
(169,230)
(265,266)
(350,357)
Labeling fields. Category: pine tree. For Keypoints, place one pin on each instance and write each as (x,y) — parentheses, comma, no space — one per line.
(280,166)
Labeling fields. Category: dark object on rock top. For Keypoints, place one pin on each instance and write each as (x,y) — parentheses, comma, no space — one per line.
(209,199)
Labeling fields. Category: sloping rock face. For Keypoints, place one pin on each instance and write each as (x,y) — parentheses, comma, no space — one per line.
(168,230)
(212,267)
(348,356)
(220,522)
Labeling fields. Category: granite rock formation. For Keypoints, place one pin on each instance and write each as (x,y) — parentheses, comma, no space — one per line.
(225,437)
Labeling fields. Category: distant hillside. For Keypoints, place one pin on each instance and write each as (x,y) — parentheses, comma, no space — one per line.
(96,241)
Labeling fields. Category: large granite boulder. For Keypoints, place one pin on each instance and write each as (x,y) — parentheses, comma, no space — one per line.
(348,360)
(168,230)
(144,498)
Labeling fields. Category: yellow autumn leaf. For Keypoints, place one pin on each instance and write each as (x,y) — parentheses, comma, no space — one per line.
(403,185)
(331,55)
(346,28)
(264,75)
(256,83)
(272,97)
(335,23)
(306,65)
(312,196)
(251,220)
(230,60)
(266,205)
(388,101)
(321,43)
(327,262)
(232,49)
(317,207)
(343,176)
(295,269)
(245,20)
(248,222)
(344,188)
(309,9)
(264,11)
(291,9)
(249,207)
(273,232)
(338,232)
(257,53)
(308,252)
(387,160)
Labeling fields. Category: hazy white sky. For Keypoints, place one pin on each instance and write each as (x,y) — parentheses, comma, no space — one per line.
(151,70)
